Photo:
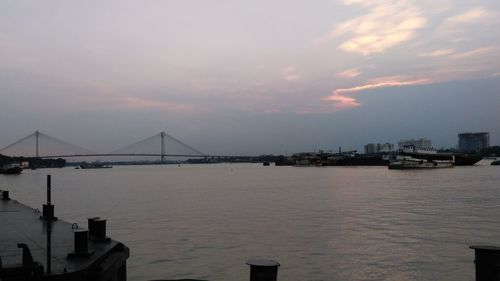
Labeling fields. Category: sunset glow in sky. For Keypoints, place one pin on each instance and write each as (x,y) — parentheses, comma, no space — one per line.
(225,75)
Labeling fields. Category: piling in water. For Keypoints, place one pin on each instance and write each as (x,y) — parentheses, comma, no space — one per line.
(487,260)
(263,270)
(5,195)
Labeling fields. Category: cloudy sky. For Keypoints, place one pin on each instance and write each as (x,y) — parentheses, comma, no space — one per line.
(250,77)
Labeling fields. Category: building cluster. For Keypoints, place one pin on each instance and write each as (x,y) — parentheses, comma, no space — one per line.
(467,142)
(372,148)
(420,143)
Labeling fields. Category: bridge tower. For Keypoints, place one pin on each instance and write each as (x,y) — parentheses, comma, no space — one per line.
(162,135)
(37,135)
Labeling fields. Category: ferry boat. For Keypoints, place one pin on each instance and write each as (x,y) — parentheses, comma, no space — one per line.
(411,157)
(11,169)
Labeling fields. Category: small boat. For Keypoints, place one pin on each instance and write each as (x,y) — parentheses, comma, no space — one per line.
(95,165)
(266,163)
(11,169)
(411,157)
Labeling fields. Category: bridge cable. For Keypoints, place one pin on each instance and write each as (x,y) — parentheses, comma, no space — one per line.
(21,140)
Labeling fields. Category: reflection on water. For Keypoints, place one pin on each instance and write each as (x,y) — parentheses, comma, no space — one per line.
(332,223)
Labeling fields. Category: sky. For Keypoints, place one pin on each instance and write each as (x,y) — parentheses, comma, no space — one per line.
(250,77)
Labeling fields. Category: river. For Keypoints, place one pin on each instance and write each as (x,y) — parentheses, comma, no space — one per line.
(330,223)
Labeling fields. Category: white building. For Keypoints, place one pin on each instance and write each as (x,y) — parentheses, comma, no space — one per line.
(378,147)
(419,143)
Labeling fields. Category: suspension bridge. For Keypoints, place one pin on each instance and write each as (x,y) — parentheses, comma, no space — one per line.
(40,145)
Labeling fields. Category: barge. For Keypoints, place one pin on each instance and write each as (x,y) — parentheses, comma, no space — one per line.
(38,246)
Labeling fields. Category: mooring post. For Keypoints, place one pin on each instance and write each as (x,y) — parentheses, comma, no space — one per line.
(5,195)
(49,246)
(263,270)
(81,244)
(49,215)
(91,226)
(487,260)
(99,230)
(48,209)
(49,186)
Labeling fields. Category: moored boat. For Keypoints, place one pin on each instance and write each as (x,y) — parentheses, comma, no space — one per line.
(411,157)
(95,165)
(11,169)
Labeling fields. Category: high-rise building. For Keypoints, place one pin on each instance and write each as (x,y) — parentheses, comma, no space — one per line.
(370,148)
(378,147)
(473,142)
(385,147)
(419,143)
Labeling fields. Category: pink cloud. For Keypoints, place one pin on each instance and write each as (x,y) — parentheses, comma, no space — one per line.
(290,74)
(382,84)
(471,16)
(475,52)
(438,53)
(460,22)
(350,73)
(341,99)
(388,23)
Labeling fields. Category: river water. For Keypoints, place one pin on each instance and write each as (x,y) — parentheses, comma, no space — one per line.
(331,223)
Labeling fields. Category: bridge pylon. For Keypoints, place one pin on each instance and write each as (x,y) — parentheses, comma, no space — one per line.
(162,149)
(40,145)
(161,145)
(37,148)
